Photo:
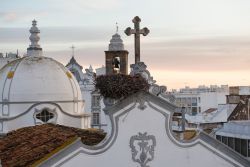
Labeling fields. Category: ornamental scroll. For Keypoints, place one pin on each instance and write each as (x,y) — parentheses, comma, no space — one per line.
(142,148)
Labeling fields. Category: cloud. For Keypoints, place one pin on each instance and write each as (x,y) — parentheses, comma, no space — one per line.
(193,54)
(199,54)
(23,16)
(9,16)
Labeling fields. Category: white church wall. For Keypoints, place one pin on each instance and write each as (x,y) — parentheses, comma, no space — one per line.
(86,96)
(20,108)
(105,120)
(28,118)
(128,123)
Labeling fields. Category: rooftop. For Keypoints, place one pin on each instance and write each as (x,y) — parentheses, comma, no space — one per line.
(236,129)
(28,146)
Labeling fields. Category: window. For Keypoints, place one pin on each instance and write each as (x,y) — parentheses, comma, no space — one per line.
(184,101)
(248,148)
(96,118)
(244,147)
(95,101)
(194,101)
(231,142)
(218,137)
(178,102)
(45,115)
(224,140)
(194,110)
(189,102)
(116,65)
(237,145)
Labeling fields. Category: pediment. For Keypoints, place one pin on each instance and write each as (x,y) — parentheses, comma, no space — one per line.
(141,136)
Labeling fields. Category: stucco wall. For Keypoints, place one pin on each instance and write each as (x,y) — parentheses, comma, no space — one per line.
(116,151)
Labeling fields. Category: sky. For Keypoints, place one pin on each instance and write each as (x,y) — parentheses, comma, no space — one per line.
(191,42)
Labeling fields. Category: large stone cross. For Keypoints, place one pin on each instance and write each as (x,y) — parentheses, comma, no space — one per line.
(137,31)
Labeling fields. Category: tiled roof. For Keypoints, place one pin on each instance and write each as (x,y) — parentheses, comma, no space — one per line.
(28,145)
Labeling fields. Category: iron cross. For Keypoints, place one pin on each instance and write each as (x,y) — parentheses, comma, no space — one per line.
(137,31)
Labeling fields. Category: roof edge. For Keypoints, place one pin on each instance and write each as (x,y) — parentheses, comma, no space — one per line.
(54,152)
(139,97)
(223,148)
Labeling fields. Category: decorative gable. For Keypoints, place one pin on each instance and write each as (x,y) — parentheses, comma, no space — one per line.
(141,136)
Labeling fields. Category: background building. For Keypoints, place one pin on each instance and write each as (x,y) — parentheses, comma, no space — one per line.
(236,132)
(8,57)
(197,100)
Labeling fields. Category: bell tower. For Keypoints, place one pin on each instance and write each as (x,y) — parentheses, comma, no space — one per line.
(116,57)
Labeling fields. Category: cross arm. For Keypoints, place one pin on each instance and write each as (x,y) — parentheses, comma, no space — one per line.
(144,31)
(129,31)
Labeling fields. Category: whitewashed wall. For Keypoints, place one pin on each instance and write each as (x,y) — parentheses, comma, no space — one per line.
(28,118)
(116,151)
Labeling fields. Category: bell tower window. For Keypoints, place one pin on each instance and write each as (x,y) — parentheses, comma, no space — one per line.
(116,65)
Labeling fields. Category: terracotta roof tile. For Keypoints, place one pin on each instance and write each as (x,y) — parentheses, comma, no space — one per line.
(28,145)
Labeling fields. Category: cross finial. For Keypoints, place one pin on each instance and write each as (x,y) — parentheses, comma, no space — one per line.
(73,50)
(137,31)
(34,48)
(117,28)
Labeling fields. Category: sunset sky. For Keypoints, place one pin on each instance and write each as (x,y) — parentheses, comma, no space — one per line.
(191,42)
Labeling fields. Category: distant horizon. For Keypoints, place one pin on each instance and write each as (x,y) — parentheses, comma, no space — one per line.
(196,42)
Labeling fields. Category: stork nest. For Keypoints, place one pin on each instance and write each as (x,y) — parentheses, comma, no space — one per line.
(120,85)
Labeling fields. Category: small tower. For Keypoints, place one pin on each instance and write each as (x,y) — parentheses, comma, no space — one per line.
(116,56)
(74,67)
(34,48)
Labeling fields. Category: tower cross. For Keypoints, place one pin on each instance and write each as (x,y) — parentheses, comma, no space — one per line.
(73,50)
(137,31)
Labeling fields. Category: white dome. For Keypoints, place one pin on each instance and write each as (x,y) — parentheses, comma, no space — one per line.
(36,90)
(28,81)
(116,43)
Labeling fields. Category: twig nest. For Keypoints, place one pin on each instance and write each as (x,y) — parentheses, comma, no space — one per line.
(120,85)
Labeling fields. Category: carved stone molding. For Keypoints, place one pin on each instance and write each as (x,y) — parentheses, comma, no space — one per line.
(141,68)
(89,77)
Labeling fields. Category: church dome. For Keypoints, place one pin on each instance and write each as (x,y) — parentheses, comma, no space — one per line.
(36,89)
(31,80)
(116,43)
